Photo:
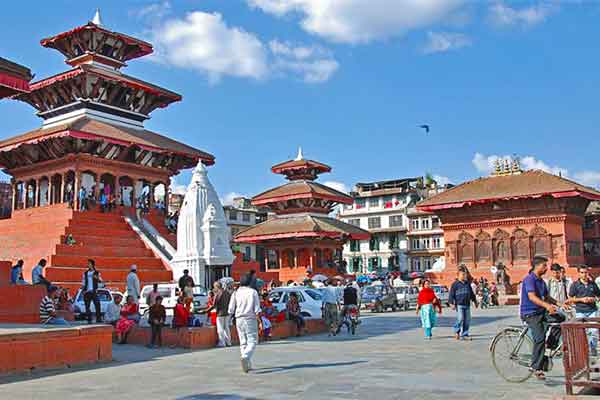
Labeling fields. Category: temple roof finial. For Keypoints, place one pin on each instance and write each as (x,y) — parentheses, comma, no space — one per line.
(97,20)
(299,156)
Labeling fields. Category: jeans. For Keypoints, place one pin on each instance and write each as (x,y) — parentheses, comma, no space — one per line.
(538,325)
(247,329)
(298,320)
(57,321)
(592,334)
(463,320)
(88,298)
(223,331)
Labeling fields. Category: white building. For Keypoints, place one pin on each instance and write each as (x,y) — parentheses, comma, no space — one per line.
(425,241)
(240,215)
(384,209)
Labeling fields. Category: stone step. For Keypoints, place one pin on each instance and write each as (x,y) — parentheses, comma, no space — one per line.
(106,262)
(103,251)
(107,241)
(80,232)
(74,275)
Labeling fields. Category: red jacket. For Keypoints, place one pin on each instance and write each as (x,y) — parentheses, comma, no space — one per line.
(181,316)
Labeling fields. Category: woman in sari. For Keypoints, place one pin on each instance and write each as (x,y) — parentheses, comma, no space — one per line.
(427,303)
(129,317)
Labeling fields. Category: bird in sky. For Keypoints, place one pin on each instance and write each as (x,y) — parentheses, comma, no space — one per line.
(426,127)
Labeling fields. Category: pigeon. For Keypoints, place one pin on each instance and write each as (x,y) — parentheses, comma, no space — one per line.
(426,127)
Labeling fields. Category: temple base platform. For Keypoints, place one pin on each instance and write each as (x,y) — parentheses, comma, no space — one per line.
(27,347)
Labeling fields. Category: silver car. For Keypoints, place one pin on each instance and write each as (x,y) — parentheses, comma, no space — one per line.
(407,296)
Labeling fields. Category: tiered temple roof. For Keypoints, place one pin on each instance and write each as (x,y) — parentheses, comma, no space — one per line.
(527,184)
(14,78)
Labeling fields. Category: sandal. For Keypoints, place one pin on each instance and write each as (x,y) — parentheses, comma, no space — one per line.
(540,375)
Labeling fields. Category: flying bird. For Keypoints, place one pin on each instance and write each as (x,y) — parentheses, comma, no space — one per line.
(426,127)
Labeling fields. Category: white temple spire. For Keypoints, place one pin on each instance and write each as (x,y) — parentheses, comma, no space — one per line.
(97,20)
(299,156)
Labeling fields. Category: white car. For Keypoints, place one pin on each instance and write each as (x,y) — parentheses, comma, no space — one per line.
(407,296)
(310,300)
(169,293)
(105,297)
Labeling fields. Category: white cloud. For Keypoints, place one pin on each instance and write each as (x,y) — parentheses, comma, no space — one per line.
(153,11)
(442,180)
(360,21)
(339,186)
(205,43)
(440,42)
(486,164)
(314,63)
(227,200)
(503,15)
(176,188)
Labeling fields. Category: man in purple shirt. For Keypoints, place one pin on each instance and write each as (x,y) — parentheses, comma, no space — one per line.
(538,309)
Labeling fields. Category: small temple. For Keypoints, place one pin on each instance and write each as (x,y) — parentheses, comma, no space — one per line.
(301,239)
(506,219)
(92,137)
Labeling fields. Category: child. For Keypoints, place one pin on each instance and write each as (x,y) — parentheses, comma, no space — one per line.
(156,318)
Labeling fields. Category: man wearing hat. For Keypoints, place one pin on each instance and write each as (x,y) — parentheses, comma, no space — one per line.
(133,284)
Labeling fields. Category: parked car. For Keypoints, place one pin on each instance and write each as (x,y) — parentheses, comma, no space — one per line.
(310,300)
(169,293)
(379,298)
(105,297)
(407,296)
(442,293)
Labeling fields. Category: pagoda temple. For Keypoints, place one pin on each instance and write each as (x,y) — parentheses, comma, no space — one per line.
(506,219)
(92,136)
(14,78)
(301,239)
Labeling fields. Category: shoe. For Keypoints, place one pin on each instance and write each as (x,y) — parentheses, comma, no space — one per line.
(540,375)
(457,336)
(245,365)
(467,338)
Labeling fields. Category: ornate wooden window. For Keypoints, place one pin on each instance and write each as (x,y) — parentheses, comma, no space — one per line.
(318,258)
(502,251)
(466,247)
(484,247)
(541,241)
(290,258)
(520,245)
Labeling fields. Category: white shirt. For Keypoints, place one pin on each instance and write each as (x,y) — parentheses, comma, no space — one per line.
(90,280)
(133,285)
(112,313)
(331,295)
(244,303)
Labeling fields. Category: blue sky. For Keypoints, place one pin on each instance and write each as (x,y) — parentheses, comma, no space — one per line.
(350,81)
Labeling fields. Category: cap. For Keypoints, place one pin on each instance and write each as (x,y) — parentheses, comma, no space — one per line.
(134,267)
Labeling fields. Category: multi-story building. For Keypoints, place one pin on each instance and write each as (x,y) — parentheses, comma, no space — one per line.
(241,215)
(425,241)
(383,208)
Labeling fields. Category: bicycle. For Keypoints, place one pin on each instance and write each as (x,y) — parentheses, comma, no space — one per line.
(511,352)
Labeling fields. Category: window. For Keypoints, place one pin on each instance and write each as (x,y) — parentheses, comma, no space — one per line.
(374,202)
(437,242)
(233,215)
(356,264)
(355,222)
(426,243)
(574,248)
(234,231)
(425,224)
(435,222)
(414,224)
(247,253)
(359,203)
(374,264)
(388,201)
(426,263)
(415,244)
(275,296)
(246,217)
(273,259)
(395,220)
(286,298)
(314,294)
(416,264)
(354,245)
(374,243)
(393,241)
(374,222)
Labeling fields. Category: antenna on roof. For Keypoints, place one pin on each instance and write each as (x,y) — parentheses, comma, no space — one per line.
(97,20)
(299,156)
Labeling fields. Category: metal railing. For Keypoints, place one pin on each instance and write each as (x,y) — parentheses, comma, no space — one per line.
(576,357)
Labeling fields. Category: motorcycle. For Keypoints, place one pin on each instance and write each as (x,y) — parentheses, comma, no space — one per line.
(351,319)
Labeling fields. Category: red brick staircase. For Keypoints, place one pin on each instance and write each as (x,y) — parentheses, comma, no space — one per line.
(105,237)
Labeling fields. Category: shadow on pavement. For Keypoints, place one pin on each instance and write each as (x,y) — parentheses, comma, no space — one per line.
(301,366)
(208,396)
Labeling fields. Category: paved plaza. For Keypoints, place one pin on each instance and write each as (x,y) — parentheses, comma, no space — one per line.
(388,359)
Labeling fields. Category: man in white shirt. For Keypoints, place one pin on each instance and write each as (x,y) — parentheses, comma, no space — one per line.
(245,305)
(331,305)
(133,284)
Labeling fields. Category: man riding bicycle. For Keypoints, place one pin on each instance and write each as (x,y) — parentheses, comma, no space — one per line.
(538,310)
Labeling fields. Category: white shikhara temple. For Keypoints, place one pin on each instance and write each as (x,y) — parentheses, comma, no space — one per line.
(203,236)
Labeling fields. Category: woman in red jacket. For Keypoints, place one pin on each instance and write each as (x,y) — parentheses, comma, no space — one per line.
(181,315)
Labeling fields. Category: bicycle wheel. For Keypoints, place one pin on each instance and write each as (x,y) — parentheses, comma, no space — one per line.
(511,355)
